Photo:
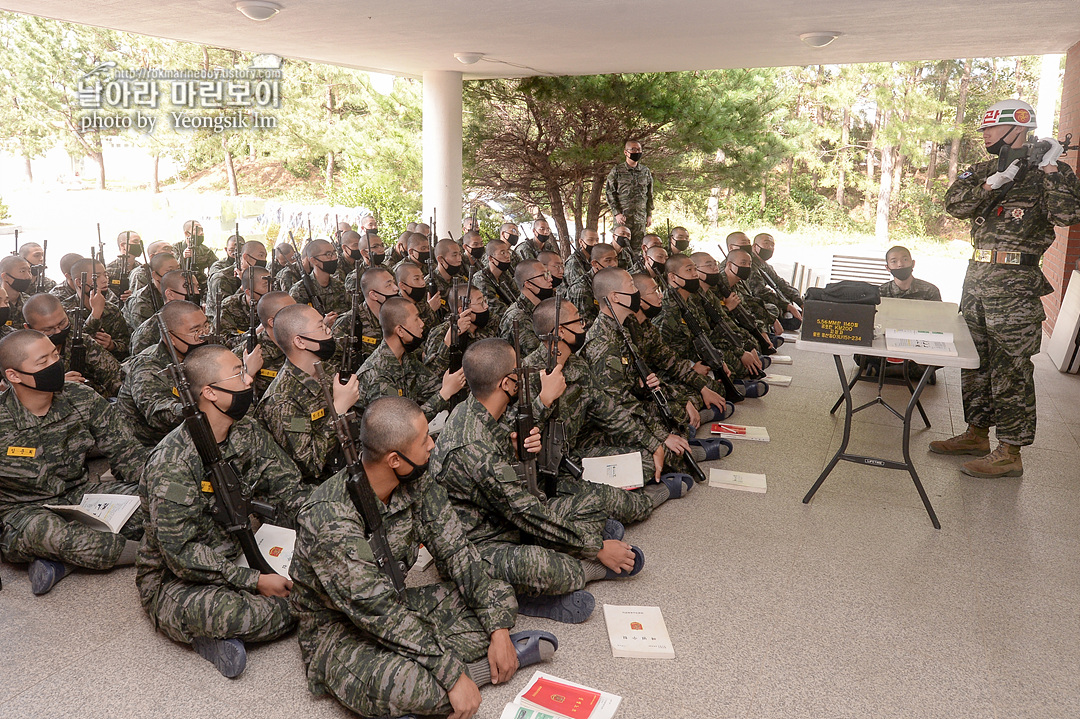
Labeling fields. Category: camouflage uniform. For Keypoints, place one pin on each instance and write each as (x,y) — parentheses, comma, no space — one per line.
(368,331)
(1001,302)
(16,303)
(111,322)
(225,264)
(534,546)
(374,654)
(203,258)
(496,291)
(273,361)
(787,293)
(437,353)
(383,375)
(286,278)
(78,421)
(919,290)
(575,267)
(521,312)
(580,294)
(221,286)
(681,383)
(63,292)
(750,304)
(235,318)
(333,296)
(147,401)
(677,335)
(42,284)
(629,191)
(596,425)
(526,249)
(187,578)
(142,305)
(102,372)
(138,278)
(294,411)
(115,270)
(757,296)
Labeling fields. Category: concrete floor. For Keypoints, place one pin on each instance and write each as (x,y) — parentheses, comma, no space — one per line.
(852,606)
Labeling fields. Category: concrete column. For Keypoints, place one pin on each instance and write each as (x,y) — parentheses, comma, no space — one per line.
(442,149)
(1063,255)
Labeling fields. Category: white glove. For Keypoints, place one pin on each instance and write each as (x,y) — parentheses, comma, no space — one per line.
(1052,155)
(998,179)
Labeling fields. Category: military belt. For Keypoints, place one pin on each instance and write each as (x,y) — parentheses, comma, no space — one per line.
(1005,257)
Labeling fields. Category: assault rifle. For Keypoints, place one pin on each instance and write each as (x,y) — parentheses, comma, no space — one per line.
(743,318)
(360,492)
(704,349)
(462,303)
(554,450)
(230,507)
(39,275)
(658,397)
(432,264)
(349,365)
(524,421)
(253,324)
(309,284)
(78,344)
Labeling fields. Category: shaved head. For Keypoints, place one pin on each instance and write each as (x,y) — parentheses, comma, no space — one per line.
(271,303)
(14,347)
(291,321)
(390,425)
(394,313)
(486,363)
(41,306)
(177,312)
(608,280)
(205,365)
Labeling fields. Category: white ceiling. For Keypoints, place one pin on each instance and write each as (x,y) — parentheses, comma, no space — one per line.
(568,37)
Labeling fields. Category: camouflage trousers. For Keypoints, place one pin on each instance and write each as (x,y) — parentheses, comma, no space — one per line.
(636,224)
(625,506)
(31,531)
(531,569)
(1001,393)
(183,610)
(375,681)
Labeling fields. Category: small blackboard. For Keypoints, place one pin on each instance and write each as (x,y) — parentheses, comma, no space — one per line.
(838,323)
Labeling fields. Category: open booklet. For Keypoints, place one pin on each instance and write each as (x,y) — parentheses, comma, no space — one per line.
(921,341)
(745,481)
(622,471)
(548,697)
(276,545)
(103,512)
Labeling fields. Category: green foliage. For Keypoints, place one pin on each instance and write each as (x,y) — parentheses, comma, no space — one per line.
(393,208)
(4,212)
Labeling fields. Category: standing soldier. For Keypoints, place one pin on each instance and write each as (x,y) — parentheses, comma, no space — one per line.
(192,250)
(1014,206)
(629,193)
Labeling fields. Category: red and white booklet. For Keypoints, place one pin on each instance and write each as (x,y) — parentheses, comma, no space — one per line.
(738,431)
(546,696)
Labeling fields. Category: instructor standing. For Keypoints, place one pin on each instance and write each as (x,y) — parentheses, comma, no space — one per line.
(1014,203)
(629,193)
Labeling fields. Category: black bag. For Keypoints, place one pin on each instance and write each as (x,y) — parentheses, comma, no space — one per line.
(846,292)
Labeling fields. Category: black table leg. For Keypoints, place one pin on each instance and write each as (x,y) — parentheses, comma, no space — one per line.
(847,427)
(912,403)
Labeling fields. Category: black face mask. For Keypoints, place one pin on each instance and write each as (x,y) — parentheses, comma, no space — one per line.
(258,263)
(36,270)
(743,273)
(194,298)
(60,337)
(681,245)
(691,286)
(579,340)
(511,398)
(329,266)
(190,346)
(476,252)
(542,238)
(21,285)
(135,249)
(1000,145)
(502,266)
(454,270)
(512,240)
(414,474)
(422,257)
(650,311)
(355,255)
(327,347)
(712,279)
(635,156)
(413,343)
(383,298)
(416,294)
(555,281)
(5,315)
(635,301)
(49,379)
(543,293)
(480,319)
(765,253)
(241,402)
(376,258)
(901,273)
(622,241)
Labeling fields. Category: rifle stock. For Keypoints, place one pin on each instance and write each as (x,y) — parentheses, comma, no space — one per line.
(524,421)
(78,344)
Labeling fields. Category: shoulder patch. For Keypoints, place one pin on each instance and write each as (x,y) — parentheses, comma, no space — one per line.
(964,175)
(299,424)
(507,474)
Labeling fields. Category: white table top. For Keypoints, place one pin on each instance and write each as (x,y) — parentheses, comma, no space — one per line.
(897,314)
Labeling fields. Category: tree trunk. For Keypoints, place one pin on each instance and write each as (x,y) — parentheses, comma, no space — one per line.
(329,170)
(558,213)
(28,169)
(870,148)
(787,183)
(154,187)
(99,158)
(842,159)
(894,189)
(579,206)
(230,171)
(935,147)
(961,107)
(881,223)
(596,190)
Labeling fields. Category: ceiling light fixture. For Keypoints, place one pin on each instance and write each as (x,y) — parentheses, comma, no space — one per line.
(820,38)
(258,10)
(469,58)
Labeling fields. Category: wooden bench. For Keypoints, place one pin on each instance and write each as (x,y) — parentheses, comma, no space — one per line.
(865,269)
